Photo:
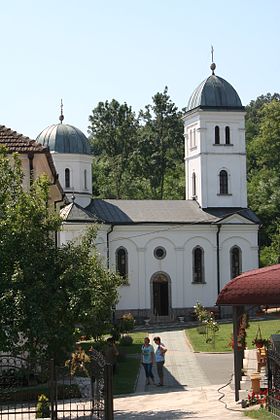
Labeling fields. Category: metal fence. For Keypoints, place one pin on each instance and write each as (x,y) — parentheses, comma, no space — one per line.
(273,363)
(23,381)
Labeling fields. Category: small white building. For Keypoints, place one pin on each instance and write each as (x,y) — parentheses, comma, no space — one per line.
(173,252)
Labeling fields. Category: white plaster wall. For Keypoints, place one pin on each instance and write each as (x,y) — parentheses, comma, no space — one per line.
(179,242)
(246,238)
(177,264)
(77,164)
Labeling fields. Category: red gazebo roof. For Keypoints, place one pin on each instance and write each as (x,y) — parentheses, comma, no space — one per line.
(260,286)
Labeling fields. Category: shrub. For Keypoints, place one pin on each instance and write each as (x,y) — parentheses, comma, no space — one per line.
(126,340)
(126,323)
(115,333)
(43,407)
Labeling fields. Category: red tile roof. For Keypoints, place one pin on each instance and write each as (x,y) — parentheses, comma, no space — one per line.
(260,286)
(19,143)
(16,142)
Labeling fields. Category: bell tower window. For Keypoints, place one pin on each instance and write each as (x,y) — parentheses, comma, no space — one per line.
(217,134)
(223,182)
(193,185)
(67,178)
(85,179)
(227,134)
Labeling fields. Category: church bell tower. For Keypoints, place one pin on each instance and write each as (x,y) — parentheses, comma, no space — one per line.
(215,155)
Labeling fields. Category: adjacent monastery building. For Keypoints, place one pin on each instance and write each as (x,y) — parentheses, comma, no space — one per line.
(173,252)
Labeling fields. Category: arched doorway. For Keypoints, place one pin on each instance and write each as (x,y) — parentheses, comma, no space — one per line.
(160,293)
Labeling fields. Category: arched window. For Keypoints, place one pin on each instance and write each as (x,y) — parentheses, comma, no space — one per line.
(85,179)
(67,178)
(235,261)
(217,134)
(194,185)
(198,265)
(227,133)
(122,262)
(223,182)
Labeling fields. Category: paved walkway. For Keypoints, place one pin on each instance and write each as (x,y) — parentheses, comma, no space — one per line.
(190,391)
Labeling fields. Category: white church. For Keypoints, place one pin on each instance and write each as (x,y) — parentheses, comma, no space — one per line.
(172,252)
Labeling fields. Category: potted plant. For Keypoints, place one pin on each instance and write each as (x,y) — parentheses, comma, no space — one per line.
(260,342)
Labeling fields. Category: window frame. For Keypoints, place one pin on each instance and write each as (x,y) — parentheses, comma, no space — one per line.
(227,135)
(198,266)
(85,180)
(223,182)
(217,134)
(161,248)
(233,272)
(194,195)
(124,271)
(67,178)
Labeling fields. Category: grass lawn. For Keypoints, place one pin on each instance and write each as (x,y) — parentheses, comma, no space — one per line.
(223,336)
(128,365)
(261,413)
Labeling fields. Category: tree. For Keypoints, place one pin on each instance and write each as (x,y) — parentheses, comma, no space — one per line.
(45,291)
(160,153)
(96,288)
(271,254)
(113,135)
(253,114)
(264,169)
(252,124)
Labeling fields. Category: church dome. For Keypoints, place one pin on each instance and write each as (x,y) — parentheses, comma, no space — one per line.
(214,92)
(64,138)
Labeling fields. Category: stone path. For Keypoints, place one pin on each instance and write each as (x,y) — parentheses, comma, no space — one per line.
(187,394)
(181,368)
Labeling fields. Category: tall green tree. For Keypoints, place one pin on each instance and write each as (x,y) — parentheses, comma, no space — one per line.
(45,291)
(253,118)
(264,169)
(113,133)
(161,148)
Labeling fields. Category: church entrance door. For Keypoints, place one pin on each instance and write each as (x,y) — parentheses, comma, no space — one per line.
(160,293)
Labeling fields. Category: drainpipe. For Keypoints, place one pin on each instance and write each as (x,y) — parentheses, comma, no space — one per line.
(31,167)
(108,253)
(218,258)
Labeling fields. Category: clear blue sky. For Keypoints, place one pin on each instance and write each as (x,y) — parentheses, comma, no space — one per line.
(86,51)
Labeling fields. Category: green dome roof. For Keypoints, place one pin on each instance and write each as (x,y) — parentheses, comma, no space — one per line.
(215,92)
(64,138)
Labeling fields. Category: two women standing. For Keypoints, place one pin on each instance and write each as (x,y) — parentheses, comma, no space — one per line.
(148,357)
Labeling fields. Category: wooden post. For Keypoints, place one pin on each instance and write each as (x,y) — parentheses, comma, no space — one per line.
(237,312)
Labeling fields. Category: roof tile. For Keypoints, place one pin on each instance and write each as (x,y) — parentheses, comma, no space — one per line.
(259,286)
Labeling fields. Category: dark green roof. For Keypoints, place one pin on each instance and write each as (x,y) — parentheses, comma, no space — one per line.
(215,92)
(64,138)
(130,212)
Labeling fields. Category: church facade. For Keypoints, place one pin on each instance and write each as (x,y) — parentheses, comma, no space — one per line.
(172,252)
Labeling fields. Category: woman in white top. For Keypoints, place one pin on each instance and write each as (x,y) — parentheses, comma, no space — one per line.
(160,358)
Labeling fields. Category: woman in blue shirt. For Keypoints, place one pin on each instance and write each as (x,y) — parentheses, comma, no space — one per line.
(148,360)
